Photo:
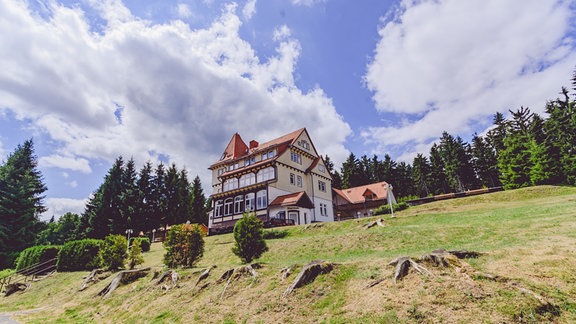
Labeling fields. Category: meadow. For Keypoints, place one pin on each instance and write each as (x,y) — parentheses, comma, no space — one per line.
(525,273)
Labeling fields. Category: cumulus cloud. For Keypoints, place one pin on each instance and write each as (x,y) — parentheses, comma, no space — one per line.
(59,206)
(249,9)
(183,92)
(65,162)
(450,65)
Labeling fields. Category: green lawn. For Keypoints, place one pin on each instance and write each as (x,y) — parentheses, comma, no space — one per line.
(527,237)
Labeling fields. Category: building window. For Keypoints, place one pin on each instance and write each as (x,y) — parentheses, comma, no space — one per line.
(249,161)
(220,171)
(230,184)
(249,202)
(304,144)
(218,209)
(323,209)
(228,207)
(321,168)
(265,174)
(247,179)
(322,186)
(261,199)
(268,155)
(292,179)
(295,157)
(233,166)
(238,200)
(299,181)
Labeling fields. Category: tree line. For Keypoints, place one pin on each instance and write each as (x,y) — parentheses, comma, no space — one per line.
(522,150)
(153,197)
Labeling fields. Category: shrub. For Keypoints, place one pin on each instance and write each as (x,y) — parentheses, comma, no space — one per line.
(135,254)
(385,209)
(249,237)
(6,273)
(36,254)
(274,234)
(113,252)
(184,245)
(144,243)
(79,255)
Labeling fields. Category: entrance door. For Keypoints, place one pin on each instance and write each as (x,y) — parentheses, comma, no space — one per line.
(294,216)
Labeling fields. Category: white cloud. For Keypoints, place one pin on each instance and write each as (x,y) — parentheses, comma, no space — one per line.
(281,33)
(60,206)
(307,3)
(450,65)
(249,9)
(183,10)
(65,162)
(184,92)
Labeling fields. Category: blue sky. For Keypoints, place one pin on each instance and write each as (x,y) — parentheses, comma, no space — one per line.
(173,80)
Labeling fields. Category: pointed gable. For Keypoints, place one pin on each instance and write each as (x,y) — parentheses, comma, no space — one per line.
(299,199)
(235,148)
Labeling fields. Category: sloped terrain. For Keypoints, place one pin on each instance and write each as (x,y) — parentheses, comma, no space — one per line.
(525,273)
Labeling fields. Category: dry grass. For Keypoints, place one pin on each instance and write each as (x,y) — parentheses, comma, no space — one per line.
(528,236)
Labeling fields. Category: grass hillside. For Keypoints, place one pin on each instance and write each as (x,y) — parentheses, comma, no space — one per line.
(526,273)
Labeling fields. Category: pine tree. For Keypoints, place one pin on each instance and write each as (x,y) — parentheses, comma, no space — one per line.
(437,174)
(129,195)
(421,173)
(21,202)
(144,208)
(199,214)
(336,177)
(485,162)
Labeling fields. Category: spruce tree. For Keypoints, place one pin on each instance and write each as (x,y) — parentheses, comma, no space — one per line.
(21,202)
(199,214)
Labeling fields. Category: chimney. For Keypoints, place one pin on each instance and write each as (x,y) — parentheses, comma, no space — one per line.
(253,144)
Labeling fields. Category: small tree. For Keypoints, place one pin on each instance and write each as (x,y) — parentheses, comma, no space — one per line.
(135,254)
(249,237)
(184,245)
(114,252)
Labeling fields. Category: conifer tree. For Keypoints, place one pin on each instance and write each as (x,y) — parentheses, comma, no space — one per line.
(21,202)
(199,214)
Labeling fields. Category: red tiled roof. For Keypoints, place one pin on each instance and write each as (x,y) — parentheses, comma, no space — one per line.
(237,148)
(299,199)
(357,194)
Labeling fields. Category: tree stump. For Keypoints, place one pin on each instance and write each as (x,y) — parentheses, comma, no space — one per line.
(403,264)
(15,287)
(92,278)
(123,277)
(308,273)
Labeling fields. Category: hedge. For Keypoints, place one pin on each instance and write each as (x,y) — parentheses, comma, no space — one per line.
(80,255)
(36,254)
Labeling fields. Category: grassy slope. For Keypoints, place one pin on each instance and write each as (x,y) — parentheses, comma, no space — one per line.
(529,237)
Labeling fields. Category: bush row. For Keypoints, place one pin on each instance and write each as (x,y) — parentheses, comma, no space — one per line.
(35,255)
(385,209)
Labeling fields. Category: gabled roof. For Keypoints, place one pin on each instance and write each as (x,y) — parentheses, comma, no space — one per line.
(358,194)
(300,199)
(237,148)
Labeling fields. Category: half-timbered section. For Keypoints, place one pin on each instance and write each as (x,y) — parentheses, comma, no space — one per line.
(284,181)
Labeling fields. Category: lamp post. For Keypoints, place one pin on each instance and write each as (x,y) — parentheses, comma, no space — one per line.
(128,232)
(153,233)
(390,197)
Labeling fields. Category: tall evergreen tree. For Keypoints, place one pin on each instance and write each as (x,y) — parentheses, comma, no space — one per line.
(514,161)
(485,162)
(336,177)
(351,172)
(437,174)
(129,195)
(159,197)
(144,206)
(421,174)
(199,212)
(21,202)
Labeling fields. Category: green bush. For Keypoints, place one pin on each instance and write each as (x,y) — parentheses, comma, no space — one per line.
(184,245)
(79,255)
(36,254)
(6,273)
(144,243)
(249,237)
(114,252)
(275,234)
(135,254)
(385,209)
